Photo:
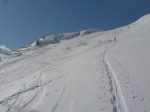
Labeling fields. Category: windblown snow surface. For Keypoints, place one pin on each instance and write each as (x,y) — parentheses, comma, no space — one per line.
(87,71)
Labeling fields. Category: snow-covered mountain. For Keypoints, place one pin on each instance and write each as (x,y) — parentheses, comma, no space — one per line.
(52,39)
(87,71)
(4,50)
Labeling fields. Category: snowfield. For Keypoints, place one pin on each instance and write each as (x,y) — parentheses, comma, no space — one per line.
(87,71)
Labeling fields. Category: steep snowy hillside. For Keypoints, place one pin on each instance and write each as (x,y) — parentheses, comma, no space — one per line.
(87,71)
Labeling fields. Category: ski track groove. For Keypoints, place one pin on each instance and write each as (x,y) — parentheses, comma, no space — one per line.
(16,95)
(117,99)
(11,106)
(58,101)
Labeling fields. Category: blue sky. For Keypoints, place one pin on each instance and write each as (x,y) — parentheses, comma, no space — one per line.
(22,21)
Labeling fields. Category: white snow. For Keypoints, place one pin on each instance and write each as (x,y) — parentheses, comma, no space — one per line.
(87,71)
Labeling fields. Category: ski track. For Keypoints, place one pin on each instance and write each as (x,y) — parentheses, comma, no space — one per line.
(17,107)
(58,101)
(117,98)
(11,101)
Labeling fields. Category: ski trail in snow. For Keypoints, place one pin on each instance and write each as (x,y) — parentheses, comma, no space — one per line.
(18,102)
(117,99)
(18,98)
(111,84)
(122,103)
(58,101)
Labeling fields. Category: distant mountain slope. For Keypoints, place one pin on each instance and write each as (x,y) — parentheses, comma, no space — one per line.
(87,71)
(52,39)
(4,50)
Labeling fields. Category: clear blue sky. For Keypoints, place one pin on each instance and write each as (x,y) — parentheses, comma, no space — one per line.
(22,21)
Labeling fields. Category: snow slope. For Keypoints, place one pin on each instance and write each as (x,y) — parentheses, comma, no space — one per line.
(87,71)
